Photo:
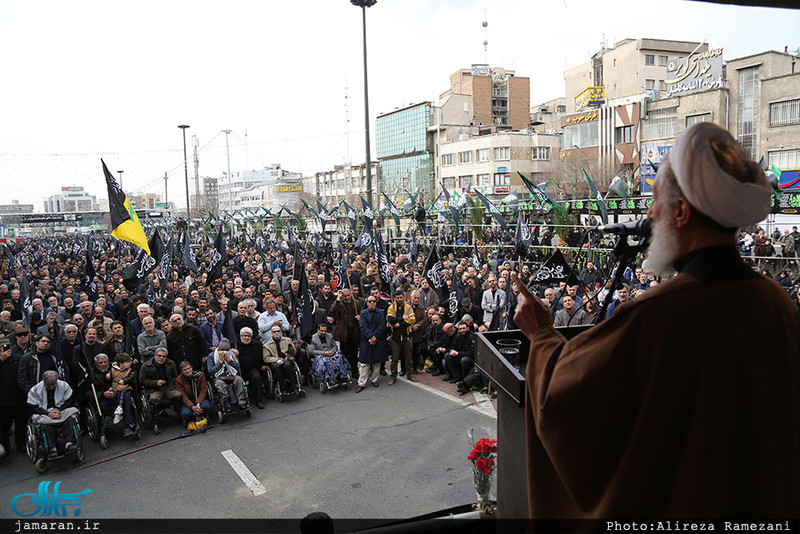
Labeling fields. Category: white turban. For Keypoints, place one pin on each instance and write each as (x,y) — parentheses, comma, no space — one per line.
(711,190)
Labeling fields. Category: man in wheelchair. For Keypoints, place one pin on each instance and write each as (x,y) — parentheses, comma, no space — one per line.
(157,378)
(223,368)
(112,390)
(278,354)
(50,402)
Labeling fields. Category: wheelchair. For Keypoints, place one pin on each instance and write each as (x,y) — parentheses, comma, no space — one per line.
(220,400)
(36,445)
(316,379)
(276,391)
(97,421)
(151,415)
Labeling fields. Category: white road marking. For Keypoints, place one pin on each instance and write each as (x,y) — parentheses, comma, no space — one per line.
(244,473)
(482,408)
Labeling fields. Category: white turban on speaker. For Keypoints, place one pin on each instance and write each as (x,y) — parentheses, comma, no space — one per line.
(711,190)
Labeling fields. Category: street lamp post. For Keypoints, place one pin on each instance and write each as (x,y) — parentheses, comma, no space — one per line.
(120,178)
(364,4)
(185,167)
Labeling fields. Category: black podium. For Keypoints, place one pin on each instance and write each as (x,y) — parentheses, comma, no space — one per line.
(506,370)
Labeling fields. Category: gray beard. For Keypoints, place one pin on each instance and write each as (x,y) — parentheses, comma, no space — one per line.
(663,249)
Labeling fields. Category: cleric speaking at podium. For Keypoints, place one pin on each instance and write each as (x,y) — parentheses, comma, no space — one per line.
(685,403)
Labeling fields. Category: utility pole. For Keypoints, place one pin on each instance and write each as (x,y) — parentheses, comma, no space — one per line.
(185,168)
(120,178)
(166,194)
(230,181)
(195,144)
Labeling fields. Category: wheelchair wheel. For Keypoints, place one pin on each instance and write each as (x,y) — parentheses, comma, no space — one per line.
(269,385)
(93,423)
(277,395)
(311,380)
(31,443)
(78,455)
(323,386)
(40,465)
(103,442)
(302,393)
(146,414)
(220,417)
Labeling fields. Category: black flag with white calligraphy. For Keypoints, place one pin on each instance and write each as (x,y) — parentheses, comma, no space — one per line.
(554,270)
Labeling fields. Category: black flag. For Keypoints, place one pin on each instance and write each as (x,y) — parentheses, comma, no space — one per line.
(90,272)
(217,258)
(165,264)
(187,255)
(522,237)
(555,269)
(144,263)
(383,260)
(369,214)
(434,272)
(476,258)
(412,249)
(364,241)
(305,299)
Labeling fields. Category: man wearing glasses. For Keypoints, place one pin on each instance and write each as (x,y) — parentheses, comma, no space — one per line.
(372,352)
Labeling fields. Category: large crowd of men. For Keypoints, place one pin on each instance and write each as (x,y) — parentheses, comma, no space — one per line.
(57,318)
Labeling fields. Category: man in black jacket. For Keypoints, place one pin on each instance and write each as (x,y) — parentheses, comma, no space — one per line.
(460,356)
(12,401)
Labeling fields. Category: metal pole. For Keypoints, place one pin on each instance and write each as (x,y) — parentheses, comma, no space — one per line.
(120,178)
(166,192)
(366,107)
(185,168)
(230,182)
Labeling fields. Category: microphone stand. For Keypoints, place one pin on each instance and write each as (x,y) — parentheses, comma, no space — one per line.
(626,253)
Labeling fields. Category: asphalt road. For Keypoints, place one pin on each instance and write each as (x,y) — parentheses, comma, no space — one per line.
(388,452)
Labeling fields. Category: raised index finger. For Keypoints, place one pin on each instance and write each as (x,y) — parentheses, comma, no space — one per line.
(523,289)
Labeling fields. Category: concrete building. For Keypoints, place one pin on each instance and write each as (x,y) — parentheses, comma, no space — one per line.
(497,96)
(15,207)
(490,162)
(144,201)
(405,149)
(71,199)
(256,188)
(345,182)
(631,67)
(759,106)
(546,117)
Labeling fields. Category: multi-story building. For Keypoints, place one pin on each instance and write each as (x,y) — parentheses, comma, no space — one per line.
(15,207)
(405,149)
(144,201)
(495,96)
(490,162)
(346,182)
(631,67)
(759,104)
(71,199)
(256,188)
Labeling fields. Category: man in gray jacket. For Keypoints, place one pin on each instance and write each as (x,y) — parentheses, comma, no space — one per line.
(150,339)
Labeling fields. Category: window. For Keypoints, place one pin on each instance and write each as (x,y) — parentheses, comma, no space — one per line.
(623,134)
(649,85)
(748,110)
(649,59)
(784,159)
(465,181)
(449,182)
(465,157)
(787,112)
(448,159)
(540,152)
(694,119)
(502,153)
(483,179)
(483,155)
(662,86)
(580,135)
(663,61)
(563,109)
(502,178)
(661,124)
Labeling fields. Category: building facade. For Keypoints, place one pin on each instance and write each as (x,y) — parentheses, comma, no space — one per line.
(71,199)
(345,182)
(490,163)
(404,149)
(15,207)
(144,201)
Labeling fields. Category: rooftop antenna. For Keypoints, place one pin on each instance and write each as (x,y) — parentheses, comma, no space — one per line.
(485,39)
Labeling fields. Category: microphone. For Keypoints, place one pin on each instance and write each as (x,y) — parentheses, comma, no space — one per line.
(639,227)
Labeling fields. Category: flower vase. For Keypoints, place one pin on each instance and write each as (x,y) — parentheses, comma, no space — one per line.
(483,485)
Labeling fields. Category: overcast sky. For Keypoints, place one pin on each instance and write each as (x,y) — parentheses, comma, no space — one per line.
(85,80)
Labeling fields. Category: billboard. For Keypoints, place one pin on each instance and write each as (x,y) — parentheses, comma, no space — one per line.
(591,96)
(698,72)
(651,152)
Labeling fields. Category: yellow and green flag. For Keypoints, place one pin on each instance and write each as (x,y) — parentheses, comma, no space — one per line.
(124,222)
